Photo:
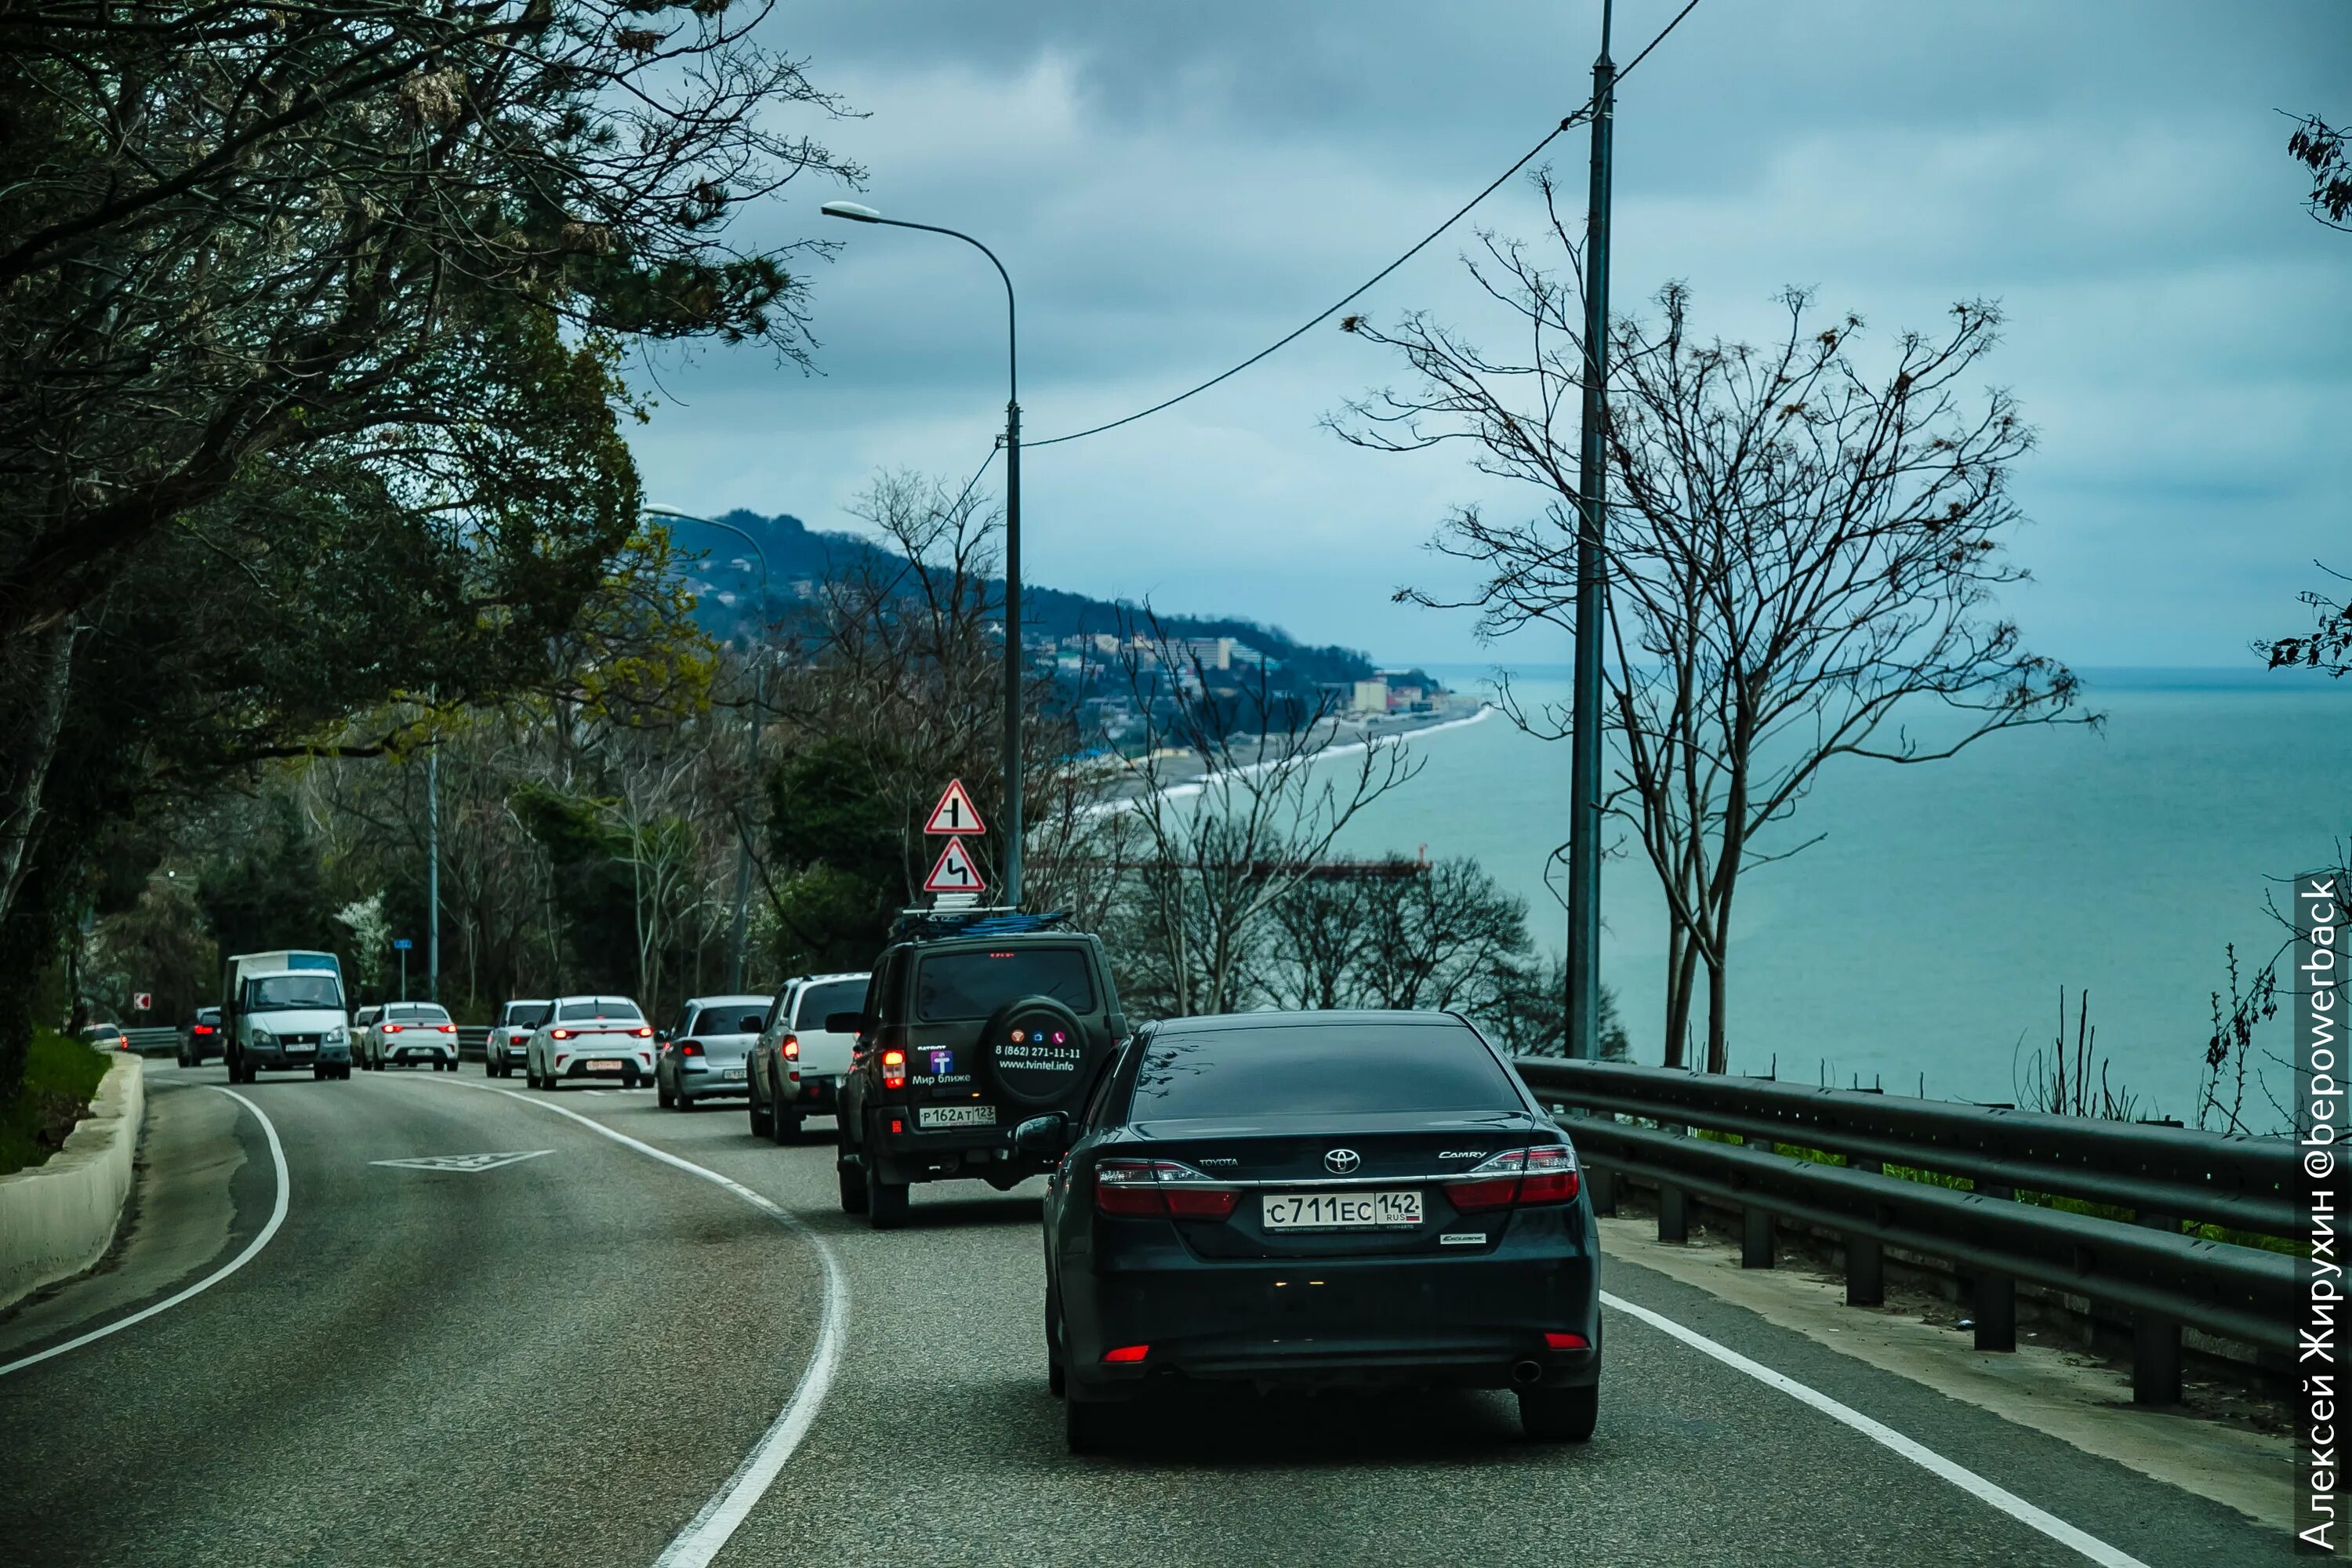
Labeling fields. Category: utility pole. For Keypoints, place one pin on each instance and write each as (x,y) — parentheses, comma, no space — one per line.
(1013,660)
(750,772)
(432,874)
(1593,490)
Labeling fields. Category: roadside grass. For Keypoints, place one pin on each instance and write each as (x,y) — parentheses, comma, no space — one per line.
(61,1074)
(2198,1231)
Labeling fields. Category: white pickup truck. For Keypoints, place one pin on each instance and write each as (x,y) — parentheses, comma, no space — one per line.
(284,1010)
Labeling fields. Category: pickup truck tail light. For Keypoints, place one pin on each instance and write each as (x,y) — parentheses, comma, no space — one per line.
(893,1069)
(1544,1175)
(792,1048)
(1160,1189)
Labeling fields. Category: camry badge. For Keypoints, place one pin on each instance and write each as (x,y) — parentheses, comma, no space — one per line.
(1339,1162)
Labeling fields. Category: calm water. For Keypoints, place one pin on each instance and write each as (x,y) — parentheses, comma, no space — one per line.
(1930,931)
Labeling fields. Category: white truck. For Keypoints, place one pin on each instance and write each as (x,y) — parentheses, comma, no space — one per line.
(285,1010)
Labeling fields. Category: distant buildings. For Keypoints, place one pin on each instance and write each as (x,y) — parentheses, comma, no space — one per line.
(1369,696)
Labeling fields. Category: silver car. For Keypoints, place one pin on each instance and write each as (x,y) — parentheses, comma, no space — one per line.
(702,1057)
(796,1066)
(510,1036)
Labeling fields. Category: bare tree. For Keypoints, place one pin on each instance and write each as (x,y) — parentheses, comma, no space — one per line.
(1802,567)
(1237,797)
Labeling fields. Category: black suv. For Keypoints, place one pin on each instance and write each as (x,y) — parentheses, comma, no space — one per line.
(971,1023)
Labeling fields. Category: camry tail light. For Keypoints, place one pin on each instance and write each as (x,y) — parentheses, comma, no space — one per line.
(689,1047)
(560,1034)
(1160,1189)
(893,1069)
(792,1048)
(1544,1175)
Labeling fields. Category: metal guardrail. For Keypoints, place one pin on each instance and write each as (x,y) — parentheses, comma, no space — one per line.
(473,1040)
(153,1039)
(2142,1266)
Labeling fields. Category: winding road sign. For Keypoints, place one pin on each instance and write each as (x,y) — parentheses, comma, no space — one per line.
(955,873)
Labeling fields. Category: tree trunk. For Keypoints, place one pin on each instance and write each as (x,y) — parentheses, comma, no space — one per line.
(1682,964)
(1717,1049)
(37,673)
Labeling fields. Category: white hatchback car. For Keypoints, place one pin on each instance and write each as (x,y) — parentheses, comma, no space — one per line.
(599,1038)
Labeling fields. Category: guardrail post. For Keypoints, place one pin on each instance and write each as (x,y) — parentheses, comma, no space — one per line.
(1754,1238)
(1673,1214)
(1993,1297)
(1605,1190)
(2155,1341)
(1865,1260)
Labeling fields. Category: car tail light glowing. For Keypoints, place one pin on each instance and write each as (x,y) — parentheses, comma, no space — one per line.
(643,1031)
(1566,1343)
(1160,1189)
(1127,1355)
(1544,1175)
(392,1028)
(893,1069)
(689,1047)
(560,1034)
(449,1028)
(792,1048)
(201,1029)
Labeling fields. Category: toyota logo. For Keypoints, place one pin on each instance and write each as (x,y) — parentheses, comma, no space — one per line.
(1339,1162)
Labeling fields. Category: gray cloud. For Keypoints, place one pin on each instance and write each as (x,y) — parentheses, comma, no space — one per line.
(1172,188)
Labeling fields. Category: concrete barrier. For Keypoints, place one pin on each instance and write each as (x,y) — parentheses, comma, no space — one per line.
(59,1217)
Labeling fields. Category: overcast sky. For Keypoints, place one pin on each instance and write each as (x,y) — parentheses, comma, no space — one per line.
(1172,188)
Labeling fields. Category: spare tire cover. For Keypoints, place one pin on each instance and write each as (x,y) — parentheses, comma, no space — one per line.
(1036,1051)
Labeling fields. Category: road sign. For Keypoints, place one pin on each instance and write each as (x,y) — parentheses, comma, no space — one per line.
(401,945)
(955,872)
(955,814)
(143,1001)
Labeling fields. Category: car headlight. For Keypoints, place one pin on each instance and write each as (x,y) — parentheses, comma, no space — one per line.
(335,1038)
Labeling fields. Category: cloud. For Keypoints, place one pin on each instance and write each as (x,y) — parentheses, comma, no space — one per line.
(1171,188)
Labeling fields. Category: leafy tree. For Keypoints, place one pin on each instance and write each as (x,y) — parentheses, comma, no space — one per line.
(2328,152)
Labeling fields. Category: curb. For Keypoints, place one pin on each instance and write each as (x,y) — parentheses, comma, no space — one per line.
(59,1217)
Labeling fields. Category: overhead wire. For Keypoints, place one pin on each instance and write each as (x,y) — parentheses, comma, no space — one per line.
(1578,117)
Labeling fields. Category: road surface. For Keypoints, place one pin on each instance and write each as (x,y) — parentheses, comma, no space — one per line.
(593,1353)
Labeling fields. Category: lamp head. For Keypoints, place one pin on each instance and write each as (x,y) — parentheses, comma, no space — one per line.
(855,211)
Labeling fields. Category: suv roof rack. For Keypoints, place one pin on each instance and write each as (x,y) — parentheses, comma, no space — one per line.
(937,925)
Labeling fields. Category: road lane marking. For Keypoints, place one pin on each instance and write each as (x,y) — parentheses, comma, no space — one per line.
(719,1518)
(1926,1459)
(260,1240)
(469,1163)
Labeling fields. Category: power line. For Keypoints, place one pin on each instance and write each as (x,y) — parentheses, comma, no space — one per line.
(1579,117)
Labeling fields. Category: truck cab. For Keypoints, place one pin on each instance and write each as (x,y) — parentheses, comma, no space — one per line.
(285,1010)
(970,1024)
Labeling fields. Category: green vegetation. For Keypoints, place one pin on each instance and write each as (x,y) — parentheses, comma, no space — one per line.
(61,1074)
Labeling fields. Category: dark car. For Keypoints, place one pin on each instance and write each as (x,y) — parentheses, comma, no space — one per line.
(202,1042)
(1317,1200)
(970,1024)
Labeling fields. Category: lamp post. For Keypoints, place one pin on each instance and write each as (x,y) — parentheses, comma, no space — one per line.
(751,745)
(859,212)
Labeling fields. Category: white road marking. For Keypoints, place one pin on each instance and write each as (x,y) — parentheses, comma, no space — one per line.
(1926,1459)
(469,1163)
(717,1519)
(260,1240)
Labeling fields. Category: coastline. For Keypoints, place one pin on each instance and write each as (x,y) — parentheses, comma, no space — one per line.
(1192,777)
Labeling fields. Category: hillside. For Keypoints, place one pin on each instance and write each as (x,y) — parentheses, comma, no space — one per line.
(797,552)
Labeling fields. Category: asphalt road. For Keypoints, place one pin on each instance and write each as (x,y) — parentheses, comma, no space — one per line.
(574,1357)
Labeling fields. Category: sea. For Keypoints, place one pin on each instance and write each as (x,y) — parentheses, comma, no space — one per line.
(1951,914)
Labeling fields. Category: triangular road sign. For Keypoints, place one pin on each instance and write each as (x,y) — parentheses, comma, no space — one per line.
(955,873)
(955,814)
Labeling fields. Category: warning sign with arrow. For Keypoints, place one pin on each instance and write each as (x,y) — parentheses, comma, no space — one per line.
(955,873)
(954,814)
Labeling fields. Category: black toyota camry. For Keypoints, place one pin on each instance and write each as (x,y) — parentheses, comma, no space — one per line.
(1317,1200)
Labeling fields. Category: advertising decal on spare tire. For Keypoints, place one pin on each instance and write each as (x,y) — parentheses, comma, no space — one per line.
(1036,1051)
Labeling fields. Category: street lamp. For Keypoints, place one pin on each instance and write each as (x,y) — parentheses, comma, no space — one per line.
(859,212)
(743,859)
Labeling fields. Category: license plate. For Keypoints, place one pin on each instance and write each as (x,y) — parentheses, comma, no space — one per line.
(1342,1211)
(956,1116)
(608,1066)
(733,1072)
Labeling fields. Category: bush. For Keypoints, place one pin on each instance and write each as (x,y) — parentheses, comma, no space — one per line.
(61,1074)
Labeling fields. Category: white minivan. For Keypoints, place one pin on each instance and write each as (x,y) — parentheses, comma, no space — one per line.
(796,1066)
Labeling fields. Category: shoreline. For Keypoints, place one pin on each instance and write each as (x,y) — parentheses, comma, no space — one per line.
(1365,736)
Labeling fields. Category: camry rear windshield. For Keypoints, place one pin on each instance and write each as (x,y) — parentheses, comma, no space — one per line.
(606,1007)
(1322,1070)
(819,1002)
(951,987)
